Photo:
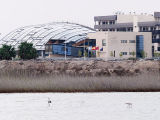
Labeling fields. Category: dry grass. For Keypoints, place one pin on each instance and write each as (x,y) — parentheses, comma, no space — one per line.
(24,81)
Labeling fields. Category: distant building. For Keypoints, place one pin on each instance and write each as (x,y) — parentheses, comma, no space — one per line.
(117,45)
(52,38)
(132,23)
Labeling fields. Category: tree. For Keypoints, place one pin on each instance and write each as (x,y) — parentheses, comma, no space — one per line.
(7,52)
(85,53)
(146,55)
(79,53)
(143,54)
(92,54)
(98,54)
(133,54)
(27,51)
(156,54)
(120,54)
(111,54)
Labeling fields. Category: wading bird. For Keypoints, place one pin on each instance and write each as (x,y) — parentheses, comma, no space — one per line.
(49,101)
(129,105)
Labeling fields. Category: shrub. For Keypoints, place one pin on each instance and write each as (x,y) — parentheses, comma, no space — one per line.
(7,52)
(79,53)
(27,51)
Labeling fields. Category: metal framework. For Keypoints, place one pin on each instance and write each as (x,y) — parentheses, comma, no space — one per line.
(39,35)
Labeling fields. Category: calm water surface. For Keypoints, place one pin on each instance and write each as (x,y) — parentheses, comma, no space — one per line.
(80,106)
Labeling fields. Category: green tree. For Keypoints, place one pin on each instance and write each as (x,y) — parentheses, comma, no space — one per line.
(156,54)
(27,51)
(143,54)
(92,54)
(7,52)
(79,53)
(85,54)
(111,54)
(146,55)
(133,54)
(120,54)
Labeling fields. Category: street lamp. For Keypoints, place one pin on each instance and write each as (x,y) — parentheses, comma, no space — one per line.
(65,49)
(84,49)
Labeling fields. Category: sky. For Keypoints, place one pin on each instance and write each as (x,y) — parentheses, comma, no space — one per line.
(19,13)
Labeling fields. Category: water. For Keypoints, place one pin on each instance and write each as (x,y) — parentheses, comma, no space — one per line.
(80,106)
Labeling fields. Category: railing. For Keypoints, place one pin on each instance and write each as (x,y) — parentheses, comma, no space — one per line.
(155,40)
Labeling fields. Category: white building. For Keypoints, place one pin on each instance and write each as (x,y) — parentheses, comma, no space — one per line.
(116,45)
(121,22)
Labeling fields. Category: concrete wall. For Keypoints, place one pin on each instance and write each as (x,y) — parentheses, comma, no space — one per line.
(114,45)
(99,36)
(129,18)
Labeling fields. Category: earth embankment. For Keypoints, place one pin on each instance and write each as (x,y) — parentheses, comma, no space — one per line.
(87,68)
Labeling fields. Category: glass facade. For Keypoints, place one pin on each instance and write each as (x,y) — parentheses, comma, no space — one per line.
(70,50)
(39,35)
(139,46)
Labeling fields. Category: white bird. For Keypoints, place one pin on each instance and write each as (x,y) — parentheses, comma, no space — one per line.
(129,105)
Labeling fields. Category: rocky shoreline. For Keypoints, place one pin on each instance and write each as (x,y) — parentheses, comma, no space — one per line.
(86,68)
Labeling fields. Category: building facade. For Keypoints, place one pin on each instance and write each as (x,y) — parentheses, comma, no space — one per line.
(51,38)
(117,45)
(128,23)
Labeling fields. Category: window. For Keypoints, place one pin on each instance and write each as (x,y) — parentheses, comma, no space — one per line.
(103,23)
(124,53)
(139,46)
(144,28)
(154,37)
(132,41)
(104,42)
(129,29)
(123,41)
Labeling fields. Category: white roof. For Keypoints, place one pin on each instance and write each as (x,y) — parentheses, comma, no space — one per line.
(39,35)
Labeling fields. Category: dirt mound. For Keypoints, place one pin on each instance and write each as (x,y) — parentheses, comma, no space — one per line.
(86,68)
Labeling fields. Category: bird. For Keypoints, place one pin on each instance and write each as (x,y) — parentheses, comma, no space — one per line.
(49,101)
(129,105)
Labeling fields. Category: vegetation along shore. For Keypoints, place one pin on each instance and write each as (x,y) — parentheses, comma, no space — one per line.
(79,76)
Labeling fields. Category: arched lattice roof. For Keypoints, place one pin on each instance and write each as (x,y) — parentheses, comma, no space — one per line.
(39,35)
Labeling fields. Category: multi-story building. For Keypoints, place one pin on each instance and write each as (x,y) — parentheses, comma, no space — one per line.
(132,22)
(117,45)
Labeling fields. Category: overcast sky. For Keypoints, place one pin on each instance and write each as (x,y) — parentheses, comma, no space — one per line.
(18,13)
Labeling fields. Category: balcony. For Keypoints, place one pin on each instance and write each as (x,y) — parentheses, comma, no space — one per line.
(156,31)
(117,25)
(155,40)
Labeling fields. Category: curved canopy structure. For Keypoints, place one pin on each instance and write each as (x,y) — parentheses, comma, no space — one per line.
(39,35)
